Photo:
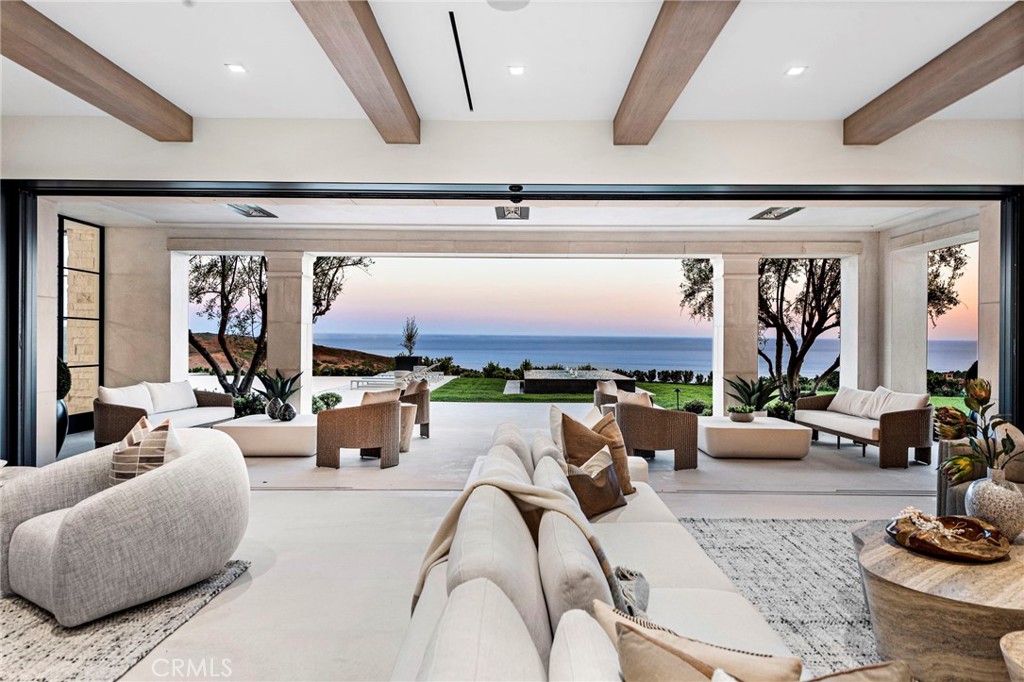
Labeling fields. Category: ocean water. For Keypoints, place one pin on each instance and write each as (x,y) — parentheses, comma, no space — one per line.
(610,352)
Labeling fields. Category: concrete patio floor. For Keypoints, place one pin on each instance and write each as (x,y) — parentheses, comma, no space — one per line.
(335,552)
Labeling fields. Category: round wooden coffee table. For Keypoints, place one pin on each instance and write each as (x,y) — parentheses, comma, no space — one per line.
(944,618)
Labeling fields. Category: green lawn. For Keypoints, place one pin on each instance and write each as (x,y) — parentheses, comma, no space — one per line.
(958,402)
(665,394)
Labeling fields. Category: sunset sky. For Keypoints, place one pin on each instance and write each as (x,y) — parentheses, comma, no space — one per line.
(562,297)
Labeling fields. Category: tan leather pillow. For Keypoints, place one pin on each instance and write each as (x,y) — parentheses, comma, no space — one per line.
(740,664)
(374,397)
(893,671)
(607,387)
(642,399)
(596,485)
(582,443)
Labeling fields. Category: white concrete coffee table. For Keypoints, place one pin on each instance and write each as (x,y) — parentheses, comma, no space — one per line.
(763,438)
(260,436)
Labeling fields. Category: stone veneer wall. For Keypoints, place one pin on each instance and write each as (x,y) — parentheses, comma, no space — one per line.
(82,337)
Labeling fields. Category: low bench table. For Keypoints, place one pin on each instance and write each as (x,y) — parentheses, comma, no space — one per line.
(260,436)
(763,438)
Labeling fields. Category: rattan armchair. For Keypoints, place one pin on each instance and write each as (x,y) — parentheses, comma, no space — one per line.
(373,429)
(112,422)
(647,429)
(420,397)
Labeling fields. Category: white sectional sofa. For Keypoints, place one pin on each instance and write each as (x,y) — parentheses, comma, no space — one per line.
(504,606)
(895,422)
(116,410)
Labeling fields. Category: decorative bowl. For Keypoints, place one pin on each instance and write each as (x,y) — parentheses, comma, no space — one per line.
(977,540)
(741,416)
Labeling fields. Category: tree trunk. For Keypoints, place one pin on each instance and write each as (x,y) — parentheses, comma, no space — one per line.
(226,385)
(824,375)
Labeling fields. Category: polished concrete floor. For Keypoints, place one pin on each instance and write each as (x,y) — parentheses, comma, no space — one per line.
(335,552)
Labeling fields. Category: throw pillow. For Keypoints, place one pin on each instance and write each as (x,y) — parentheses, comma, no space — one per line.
(849,401)
(642,659)
(595,484)
(607,387)
(374,397)
(740,664)
(638,398)
(171,396)
(129,396)
(893,671)
(415,387)
(582,443)
(555,421)
(144,448)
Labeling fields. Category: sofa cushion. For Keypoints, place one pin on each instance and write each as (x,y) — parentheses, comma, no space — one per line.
(543,447)
(549,474)
(479,636)
(569,571)
(892,671)
(608,387)
(665,553)
(493,541)
(421,627)
(376,397)
(502,461)
(582,443)
(582,652)
(172,395)
(643,506)
(508,434)
(555,420)
(129,396)
(850,401)
(415,386)
(595,484)
(30,557)
(858,427)
(638,398)
(197,416)
(898,402)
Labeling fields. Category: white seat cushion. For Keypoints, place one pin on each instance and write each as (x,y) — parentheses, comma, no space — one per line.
(542,447)
(716,617)
(510,436)
(424,620)
(171,396)
(858,427)
(643,506)
(665,553)
(569,569)
(582,651)
(479,636)
(549,474)
(492,541)
(130,396)
(898,402)
(197,416)
(850,401)
(501,460)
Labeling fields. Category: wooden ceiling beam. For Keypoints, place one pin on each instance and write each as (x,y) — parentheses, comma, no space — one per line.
(35,42)
(350,36)
(992,51)
(682,35)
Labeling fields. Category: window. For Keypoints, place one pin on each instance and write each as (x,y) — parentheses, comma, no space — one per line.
(80,332)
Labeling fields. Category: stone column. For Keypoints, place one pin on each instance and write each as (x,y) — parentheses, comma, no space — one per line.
(290,320)
(179,346)
(908,321)
(989,279)
(47,278)
(734,347)
(858,328)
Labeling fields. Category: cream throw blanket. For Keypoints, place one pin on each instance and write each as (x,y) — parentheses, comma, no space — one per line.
(527,498)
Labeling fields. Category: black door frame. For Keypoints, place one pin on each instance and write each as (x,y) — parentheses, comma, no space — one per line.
(18,252)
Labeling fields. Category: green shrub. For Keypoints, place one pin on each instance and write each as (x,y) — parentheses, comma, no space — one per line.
(695,406)
(246,405)
(325,401)
(740,409)
(707,413)
(493,370)
(781,410)
(472,374)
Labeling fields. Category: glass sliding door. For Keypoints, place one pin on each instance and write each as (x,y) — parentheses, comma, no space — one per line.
(81,316)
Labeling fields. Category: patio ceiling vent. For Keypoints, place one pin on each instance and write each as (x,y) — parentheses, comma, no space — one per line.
(776,213)
(512,212)
(251,211)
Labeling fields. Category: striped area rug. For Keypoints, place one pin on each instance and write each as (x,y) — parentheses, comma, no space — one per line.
(802,575)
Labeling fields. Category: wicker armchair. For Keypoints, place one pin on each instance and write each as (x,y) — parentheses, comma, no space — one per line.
(112,422)
(897,433)
(373,429)
(420,397)
(646,429)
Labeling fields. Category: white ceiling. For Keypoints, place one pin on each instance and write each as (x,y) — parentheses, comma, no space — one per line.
(578,58)
(477,215)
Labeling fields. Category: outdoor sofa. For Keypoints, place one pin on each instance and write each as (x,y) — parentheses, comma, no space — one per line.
(117,410)
(81,549)
(504,607)
(894,422)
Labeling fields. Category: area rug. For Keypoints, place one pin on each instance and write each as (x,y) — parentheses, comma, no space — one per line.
(34,647)
(802,575)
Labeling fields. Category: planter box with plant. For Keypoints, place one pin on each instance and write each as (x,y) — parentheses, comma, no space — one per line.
(753,394)
(741,413)
(277,390)
(406,362)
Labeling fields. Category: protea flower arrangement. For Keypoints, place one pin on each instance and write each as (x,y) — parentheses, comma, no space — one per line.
(277,390)
(988,445)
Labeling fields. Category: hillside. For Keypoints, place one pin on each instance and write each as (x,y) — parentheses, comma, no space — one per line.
(325,359)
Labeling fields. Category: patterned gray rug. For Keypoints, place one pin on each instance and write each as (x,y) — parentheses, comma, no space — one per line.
(34,647)
(802,575)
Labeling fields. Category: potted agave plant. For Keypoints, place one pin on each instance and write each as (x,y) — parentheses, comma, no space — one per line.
(741,413)
(277,390)
(755,394)
(992,499)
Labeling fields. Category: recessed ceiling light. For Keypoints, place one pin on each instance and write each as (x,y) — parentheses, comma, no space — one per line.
(512,212)
(795,70)
(776,213)
(251,211)
(516,69)
(508,5)
(236,68)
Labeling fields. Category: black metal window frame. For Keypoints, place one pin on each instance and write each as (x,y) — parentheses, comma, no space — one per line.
(18,252)
(84,420)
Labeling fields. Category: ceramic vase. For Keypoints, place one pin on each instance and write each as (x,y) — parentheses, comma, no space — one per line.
(62,423)
(287,412)
(996,500)
(273,407)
